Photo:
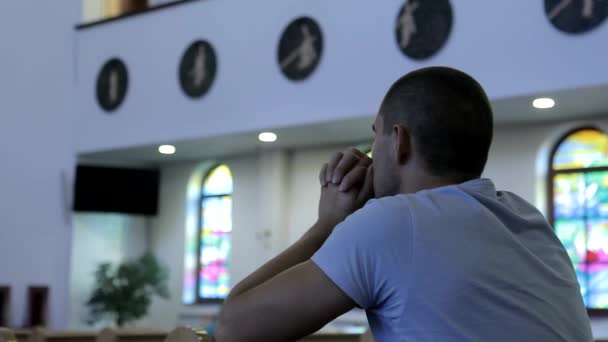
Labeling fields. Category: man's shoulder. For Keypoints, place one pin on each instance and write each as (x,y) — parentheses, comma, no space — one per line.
(387,206)
(381,215)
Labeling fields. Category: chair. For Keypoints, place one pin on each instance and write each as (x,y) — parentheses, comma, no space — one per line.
(6,335)
(5,299)
(38,297)
(183,334)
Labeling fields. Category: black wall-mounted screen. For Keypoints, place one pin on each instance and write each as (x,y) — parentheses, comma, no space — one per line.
(118,190)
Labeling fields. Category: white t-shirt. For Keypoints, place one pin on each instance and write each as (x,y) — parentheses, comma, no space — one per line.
(457,263)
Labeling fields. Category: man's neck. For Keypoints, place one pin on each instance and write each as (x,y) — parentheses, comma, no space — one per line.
(423,181)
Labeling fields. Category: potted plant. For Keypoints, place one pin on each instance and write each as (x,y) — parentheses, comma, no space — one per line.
(125,292)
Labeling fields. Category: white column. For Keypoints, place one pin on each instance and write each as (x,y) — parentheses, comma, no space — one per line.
(273,198)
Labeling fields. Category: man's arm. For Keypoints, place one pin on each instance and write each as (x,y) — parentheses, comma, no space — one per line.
(290,296)
(292,305)
(299,252)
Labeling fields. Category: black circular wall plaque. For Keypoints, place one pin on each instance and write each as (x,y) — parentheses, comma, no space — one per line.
(576,16)
(423,27)
(197,69)
(112,84)
(300,48)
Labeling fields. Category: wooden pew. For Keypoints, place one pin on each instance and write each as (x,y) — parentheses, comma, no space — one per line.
(6,335)
(177,335)
(332,338)
(180,334)
(44,335)
(183,334)
(106,335)
(140,335)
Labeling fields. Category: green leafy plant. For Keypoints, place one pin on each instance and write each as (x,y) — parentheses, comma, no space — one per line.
(126,292)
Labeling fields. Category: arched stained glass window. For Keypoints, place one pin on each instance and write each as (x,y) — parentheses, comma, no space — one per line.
(214,235)
(582,149)
(579,209)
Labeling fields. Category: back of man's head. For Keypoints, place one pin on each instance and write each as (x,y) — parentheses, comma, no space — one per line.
(449,117)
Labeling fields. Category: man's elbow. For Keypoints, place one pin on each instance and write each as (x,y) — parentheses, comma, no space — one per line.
(222,333)
(226,330)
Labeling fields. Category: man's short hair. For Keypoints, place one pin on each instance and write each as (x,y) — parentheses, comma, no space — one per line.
(449,116)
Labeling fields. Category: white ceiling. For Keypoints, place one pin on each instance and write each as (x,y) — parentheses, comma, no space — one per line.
(570,105)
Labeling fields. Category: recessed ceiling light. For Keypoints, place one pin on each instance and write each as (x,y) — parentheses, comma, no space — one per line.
(166,149)
(543,103)
(267,137)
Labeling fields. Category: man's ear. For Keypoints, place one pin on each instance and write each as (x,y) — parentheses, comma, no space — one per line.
(403,145)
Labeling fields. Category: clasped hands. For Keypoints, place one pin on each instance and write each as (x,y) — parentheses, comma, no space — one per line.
(346,185)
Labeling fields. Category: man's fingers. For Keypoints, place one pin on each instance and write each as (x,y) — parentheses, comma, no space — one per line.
(347,163)
(329,172)
(343,162)
(367,190)
(365,161)
(354,177)
(351,158)
(357,152)
(322,175)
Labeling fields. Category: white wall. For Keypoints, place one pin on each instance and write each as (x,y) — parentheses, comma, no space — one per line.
(509,46)
(169,231)
(305,189)
(37,71)
(99,238)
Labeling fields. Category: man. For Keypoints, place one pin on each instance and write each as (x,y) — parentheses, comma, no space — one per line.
(439,255)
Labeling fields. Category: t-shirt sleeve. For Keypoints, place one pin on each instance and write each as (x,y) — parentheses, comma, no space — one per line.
(360,254)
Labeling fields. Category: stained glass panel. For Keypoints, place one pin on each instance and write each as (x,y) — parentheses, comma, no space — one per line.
(189,294)
(219,182)
(597,300)
(569,195)
(583,149)
(597,295)
(572,234)
(596,194)
(215,246)
(597,242)
(191,242)
(581,276)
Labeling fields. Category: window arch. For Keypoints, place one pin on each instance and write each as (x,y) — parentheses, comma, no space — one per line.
(214,235)
(578,195)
